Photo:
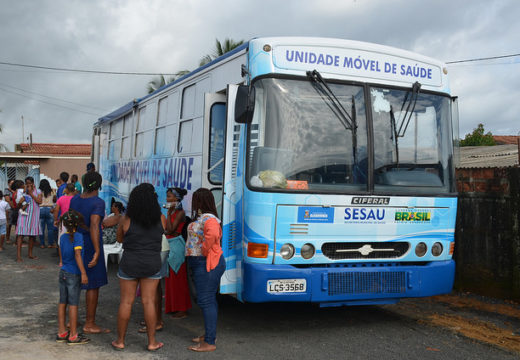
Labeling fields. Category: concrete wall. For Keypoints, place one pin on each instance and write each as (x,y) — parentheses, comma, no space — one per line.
(487,249)
(52,168)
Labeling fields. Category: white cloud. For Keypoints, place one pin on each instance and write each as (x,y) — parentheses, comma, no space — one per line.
(167,36)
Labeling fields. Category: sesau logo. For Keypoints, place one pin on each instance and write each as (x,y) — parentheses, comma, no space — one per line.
(364,200)
(364,214)
(411,216)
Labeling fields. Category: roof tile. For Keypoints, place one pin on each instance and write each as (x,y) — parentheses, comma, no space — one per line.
(57,149)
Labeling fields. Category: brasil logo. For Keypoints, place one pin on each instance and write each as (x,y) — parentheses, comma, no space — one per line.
(412,216)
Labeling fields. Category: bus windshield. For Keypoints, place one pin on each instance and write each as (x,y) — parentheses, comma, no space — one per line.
(302,138)
(411,140)
(308,135)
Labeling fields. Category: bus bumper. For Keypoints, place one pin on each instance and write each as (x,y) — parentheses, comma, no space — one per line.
(348,285)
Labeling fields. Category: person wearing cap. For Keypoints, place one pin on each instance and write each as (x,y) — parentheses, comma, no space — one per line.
(90,168)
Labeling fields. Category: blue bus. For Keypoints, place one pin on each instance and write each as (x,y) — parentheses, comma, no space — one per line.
(331,162)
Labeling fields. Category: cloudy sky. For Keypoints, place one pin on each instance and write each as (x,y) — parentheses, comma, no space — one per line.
(164,36)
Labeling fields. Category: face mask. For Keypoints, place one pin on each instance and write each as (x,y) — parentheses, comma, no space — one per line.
(173,204)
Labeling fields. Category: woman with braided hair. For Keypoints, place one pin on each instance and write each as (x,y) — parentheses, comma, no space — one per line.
(92,207)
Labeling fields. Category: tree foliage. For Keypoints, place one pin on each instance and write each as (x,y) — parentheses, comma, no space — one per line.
(478,138)
(160,81)
(220,49)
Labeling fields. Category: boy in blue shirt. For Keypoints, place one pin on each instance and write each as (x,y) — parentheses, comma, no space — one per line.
(72,275)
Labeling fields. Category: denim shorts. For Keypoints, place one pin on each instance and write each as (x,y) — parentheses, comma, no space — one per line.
(70,288)
(123,276)
(3,228)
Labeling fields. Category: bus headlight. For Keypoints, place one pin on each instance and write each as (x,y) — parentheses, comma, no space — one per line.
(287,251)
(420,249)
(307,251)
(437,249)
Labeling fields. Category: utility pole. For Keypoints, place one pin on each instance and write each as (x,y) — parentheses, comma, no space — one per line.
(23,131)
(518,142)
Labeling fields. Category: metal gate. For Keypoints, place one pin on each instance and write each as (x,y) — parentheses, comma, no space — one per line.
(18,171)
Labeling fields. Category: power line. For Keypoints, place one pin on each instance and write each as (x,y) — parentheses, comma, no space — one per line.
(82,70)
(482,59)
(48,103)
(52,98)
(169,74)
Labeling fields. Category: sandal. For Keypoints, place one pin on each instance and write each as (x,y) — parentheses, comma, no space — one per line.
(199,339)
(198,348)
(63,337)
(179,315)
(117,347)
(101,331)
(79,339)
(159,346)
(143,329)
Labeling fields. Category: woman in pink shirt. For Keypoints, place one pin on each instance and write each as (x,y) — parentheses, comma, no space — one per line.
(63,203)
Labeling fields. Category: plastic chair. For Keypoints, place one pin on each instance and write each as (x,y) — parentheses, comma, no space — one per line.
(116,248)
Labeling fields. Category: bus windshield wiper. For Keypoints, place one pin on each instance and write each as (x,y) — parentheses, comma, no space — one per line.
(347,120)
(397,133)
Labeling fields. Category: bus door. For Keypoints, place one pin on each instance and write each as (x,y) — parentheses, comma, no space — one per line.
(219,164)
(214,146)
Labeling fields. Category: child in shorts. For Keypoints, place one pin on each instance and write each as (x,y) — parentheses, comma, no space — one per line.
(72,275)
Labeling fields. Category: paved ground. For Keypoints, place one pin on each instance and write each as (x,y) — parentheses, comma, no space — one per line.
(458,326)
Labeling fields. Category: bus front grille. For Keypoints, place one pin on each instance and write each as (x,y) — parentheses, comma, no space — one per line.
(364,250)
(376,282)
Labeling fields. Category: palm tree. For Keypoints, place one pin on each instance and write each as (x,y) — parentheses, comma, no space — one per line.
(160,80)
(156,83)
(220,49)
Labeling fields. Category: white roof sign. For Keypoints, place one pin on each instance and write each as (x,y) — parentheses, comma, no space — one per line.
(358,63)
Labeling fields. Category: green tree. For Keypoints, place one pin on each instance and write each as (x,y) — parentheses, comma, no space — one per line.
(220,49)
(478,138)
(160,80)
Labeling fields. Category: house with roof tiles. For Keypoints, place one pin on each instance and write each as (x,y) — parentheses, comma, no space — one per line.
(43,161)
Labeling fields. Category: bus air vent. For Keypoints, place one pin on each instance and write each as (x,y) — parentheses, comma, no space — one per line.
(376,282)
(299,229)
(232,235)
(365,250)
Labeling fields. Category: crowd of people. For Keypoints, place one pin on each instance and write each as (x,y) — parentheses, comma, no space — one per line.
(158,251)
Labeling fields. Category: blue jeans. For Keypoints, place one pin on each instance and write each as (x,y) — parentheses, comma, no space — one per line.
(207,285)
(70,288)
(46,218)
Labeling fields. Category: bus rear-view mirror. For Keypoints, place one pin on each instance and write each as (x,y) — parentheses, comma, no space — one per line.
(244,104)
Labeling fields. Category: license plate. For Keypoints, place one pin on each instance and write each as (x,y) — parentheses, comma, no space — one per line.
(286,286)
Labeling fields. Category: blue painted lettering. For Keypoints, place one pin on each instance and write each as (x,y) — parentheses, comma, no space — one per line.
(170,173)
(165,173)
(182,180)
(347,62)
(364,214)
(190,173)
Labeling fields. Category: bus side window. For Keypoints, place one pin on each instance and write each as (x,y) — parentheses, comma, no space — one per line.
(185,133)
(216,143)
(114,145)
